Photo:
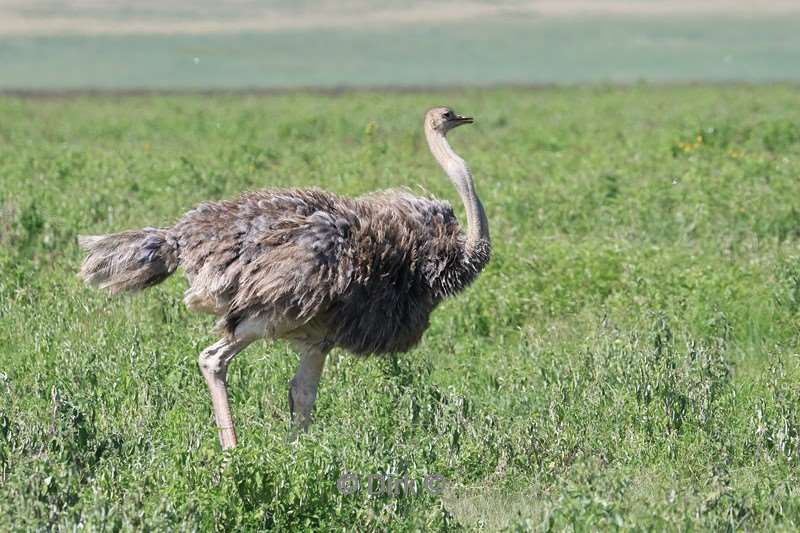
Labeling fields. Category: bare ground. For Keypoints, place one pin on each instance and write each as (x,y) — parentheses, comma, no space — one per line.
(88,17)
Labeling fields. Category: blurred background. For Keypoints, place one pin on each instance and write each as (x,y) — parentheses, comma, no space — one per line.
(242,44)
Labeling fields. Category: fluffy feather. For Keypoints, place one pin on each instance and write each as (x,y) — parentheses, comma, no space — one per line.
(367,271)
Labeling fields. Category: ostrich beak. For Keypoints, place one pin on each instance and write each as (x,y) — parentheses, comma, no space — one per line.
(459,120)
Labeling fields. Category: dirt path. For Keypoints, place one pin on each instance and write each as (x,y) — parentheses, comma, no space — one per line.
(87,17)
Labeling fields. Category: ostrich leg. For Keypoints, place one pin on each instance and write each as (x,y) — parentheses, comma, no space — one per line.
(303,387)
(213,363)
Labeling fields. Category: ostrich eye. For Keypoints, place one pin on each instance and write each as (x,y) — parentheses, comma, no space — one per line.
(448,115)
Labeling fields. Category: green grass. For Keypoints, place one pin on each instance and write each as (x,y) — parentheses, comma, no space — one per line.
(493,50)
(628,359)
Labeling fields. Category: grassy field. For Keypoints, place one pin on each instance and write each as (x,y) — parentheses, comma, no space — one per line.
(523,50)
(629,359)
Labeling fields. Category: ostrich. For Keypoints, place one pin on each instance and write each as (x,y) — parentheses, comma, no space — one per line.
(310,267)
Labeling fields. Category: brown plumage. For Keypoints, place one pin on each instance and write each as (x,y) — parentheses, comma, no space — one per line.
(306,265)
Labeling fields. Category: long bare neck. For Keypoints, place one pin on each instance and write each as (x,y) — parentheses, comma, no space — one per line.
(458,172)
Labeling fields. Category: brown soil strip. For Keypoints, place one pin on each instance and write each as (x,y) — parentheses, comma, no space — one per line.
(121,17)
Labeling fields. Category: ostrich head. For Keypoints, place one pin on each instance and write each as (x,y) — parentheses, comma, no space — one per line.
(443,119)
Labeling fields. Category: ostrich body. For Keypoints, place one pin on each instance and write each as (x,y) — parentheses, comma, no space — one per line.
(305,265)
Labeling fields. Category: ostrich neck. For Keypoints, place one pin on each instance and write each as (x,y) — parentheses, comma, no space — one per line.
(458,172)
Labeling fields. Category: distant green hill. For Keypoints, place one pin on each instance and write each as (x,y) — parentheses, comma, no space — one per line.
(524,50)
